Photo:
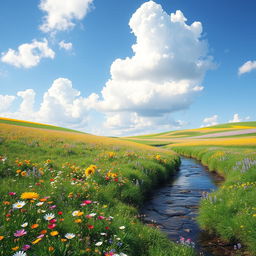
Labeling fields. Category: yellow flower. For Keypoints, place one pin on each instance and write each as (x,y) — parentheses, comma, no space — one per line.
(63,240)
(54,233)
(89,171)
(18,171)
(29,195)
(37,241)
(78,221)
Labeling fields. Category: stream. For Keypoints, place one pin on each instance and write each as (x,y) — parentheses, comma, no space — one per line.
(174,208)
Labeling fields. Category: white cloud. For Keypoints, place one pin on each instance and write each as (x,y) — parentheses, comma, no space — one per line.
(61,105)
(61,14)
(209,121)
(65,46)
(6,102)
(247,67)
(28,55)
(237,118)
(164,74)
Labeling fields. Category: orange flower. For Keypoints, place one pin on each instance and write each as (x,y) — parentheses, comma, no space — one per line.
(42,199)
(51,249)
(54,233)
(78,221)
(18,171)
(34,226)
(43,232)
(24,173)
(15,248)
(63,240)
(1,238)
(6,203)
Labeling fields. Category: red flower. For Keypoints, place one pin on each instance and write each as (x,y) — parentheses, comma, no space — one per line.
(90,226)
(53,221)
(60,213)
(106,228)
(51,226)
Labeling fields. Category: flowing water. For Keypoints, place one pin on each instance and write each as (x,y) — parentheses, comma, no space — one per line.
(174,208)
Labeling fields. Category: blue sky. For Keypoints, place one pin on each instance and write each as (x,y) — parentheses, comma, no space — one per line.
(179,77)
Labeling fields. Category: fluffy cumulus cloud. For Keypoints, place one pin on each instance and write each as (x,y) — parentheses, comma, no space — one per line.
(65,46)
(164,74)
(237,118)
(6,102)
(61,14)
(247,67)
(209,121)
(28,55)
(61,105)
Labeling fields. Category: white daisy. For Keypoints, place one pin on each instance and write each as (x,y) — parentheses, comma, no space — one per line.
(20,253)
(99,243)
(18,205)
(49,216)
(40,203)
(92,214)
(122,227)
(75,213)
(24,225)
(70,235)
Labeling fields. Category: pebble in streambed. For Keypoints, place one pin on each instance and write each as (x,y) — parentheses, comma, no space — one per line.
(174,208)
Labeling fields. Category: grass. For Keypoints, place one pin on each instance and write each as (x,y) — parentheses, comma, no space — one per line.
(82,194)
(229,212)
(34,125)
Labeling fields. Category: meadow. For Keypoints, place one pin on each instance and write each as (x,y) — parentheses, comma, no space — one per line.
(230,211)
(68,193)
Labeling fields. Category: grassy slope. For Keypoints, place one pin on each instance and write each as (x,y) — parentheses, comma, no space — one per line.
(52,163)
(231,210)
(34,125)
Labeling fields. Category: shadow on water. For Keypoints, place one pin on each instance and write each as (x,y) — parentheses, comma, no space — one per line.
(174,208)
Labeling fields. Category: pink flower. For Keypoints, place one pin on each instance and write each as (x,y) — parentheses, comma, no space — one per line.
(41,236)
(21,232)
(12,193)
(51,226)
(52,207)
(53,221)
(101,217)
(86,202)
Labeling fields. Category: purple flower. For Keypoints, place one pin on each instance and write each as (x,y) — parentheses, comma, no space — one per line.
(26,247)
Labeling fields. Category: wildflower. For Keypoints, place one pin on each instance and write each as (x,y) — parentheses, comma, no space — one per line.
(89,171)
(24,173)
(12,193)
(90,226)
(51,226)
(51,249)
(54,233)
(26,247)
(40,204)
(24,225)
(15,248)
(49,216)
(99,243)
(19,233)
(20,253)
(77,213)
(43,232)
(34,226)
(78,221)
(37,240)
(70,235)
(122,227)
(18,171)
(29,195)
(18,205)
(1,238)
